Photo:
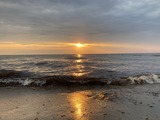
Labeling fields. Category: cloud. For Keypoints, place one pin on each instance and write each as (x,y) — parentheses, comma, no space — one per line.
(66,20)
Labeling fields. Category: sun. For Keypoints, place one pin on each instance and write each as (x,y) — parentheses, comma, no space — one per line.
(80,45)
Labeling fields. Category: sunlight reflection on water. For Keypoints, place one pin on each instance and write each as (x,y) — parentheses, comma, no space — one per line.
(79,67)
(79,56)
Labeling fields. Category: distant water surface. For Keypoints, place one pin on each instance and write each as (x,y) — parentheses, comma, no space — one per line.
(108,66)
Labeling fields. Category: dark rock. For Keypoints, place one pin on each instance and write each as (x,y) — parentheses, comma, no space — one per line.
(89,95)
(155,94)
(36,119)
(63,115)
(72,111)
(151,106)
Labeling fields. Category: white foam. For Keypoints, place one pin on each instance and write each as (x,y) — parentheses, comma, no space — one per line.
(150,79)
(40,83)
(27,82)
(24,82)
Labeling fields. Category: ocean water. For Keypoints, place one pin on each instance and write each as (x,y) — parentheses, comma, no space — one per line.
(104,68)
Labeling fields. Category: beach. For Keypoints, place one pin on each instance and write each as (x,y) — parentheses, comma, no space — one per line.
(79,60)
(140,102)
(80,87)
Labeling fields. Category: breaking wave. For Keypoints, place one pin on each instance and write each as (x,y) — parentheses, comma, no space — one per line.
(138,80)
(18,78)
(51,81)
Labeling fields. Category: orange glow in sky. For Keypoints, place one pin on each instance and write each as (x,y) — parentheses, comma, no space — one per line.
(72,48)
(80,45)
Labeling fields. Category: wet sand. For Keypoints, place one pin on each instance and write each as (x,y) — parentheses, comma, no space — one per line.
(67,103)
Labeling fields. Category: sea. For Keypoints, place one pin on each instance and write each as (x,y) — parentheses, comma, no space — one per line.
(81,69)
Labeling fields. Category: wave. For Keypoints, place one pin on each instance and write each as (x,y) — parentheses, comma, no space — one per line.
(20,82)
(137,80)
(12,73)
(50,81)
(156,55)
(19,78)
(42,64)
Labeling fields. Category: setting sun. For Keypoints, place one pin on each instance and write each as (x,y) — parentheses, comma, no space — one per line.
(79,45)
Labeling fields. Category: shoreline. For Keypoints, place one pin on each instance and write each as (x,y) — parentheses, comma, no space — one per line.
(140,102)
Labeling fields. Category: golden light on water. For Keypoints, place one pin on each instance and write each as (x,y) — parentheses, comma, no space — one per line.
(79,71)
(79,67)
(79,55)
(78,61)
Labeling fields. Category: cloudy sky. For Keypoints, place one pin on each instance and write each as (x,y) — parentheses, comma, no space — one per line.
(107,26)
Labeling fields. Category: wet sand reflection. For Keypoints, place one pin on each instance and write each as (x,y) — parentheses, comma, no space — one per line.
(78,102)
(84,106)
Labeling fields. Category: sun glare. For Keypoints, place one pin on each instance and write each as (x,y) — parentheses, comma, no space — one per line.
(80,45)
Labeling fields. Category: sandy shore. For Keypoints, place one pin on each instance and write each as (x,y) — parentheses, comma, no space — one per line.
(103,103)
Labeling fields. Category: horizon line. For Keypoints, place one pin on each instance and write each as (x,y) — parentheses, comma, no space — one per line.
(78,53)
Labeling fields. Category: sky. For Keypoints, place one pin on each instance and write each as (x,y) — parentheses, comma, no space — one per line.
(55,26)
